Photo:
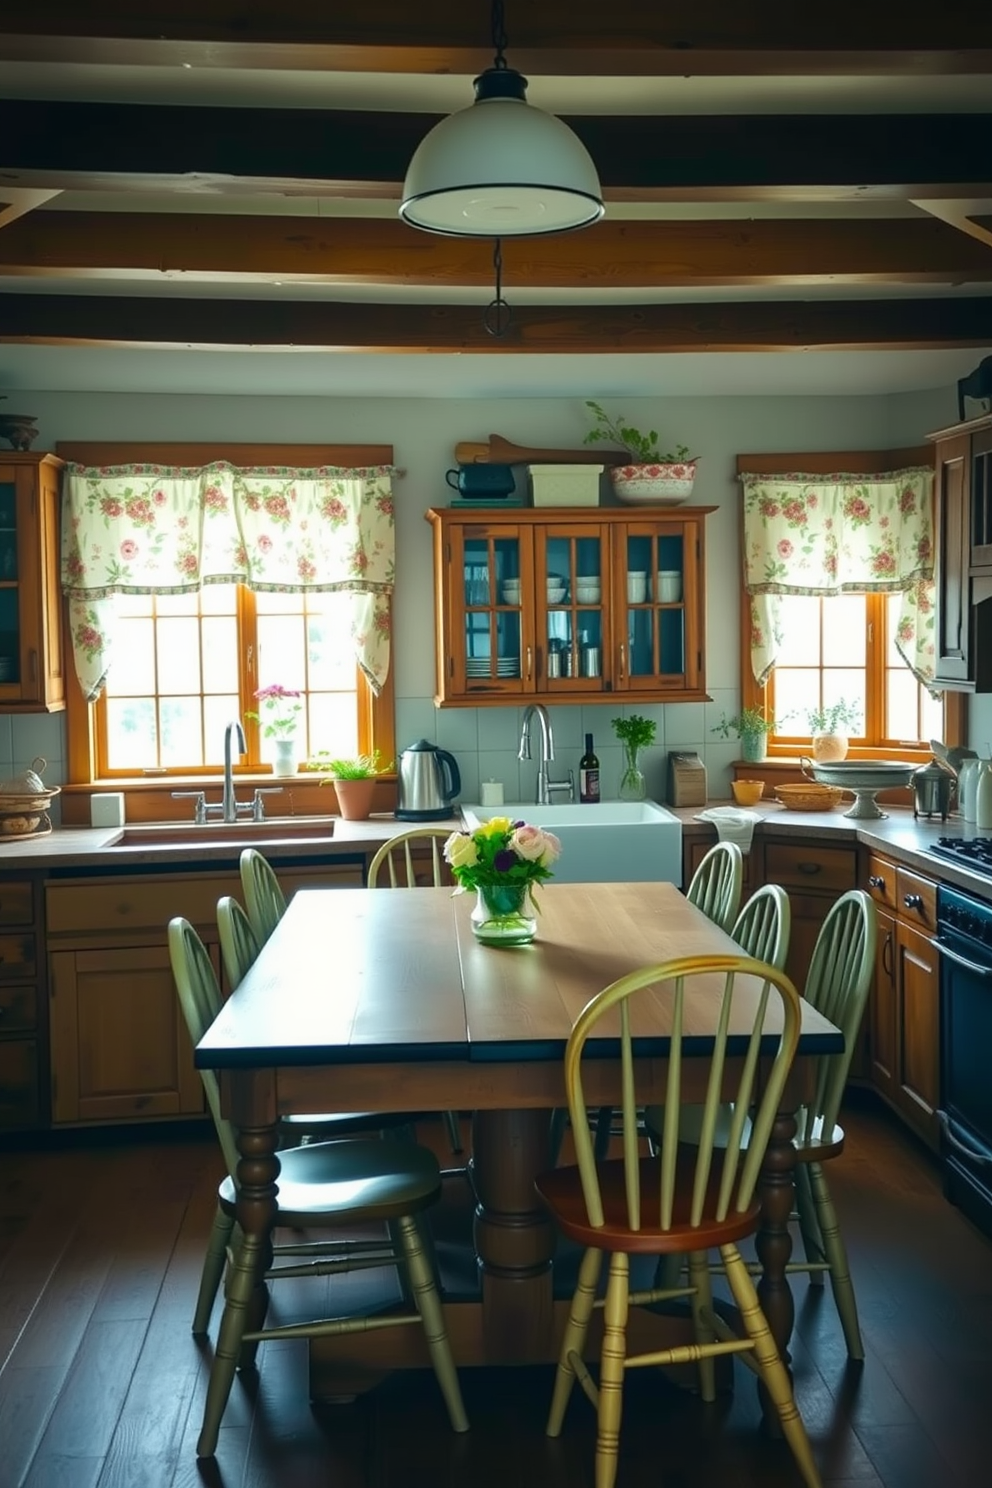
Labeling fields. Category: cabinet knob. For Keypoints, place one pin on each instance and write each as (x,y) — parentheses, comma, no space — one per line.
(808,868)
(876,881)
(913,901)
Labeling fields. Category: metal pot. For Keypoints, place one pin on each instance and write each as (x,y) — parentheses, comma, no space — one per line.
(932,787)
(428,782)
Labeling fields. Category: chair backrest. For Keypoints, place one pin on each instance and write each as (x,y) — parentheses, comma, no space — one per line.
(742,1009)
(762,928)
(239,945)
(716,884)
(396,858)
(837,985)
(200,1000)
(264,899)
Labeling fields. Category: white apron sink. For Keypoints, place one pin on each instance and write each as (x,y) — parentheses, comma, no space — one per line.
(611,842)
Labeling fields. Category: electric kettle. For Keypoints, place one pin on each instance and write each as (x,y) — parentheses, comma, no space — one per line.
(428,783)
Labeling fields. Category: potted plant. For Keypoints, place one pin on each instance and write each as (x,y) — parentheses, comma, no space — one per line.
(829,727)
(752,727)
(635,733)
(277,716)
(653,476)
(353,780)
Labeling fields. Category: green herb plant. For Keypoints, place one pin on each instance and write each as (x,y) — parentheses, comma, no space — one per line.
(643,448)
(835,717)
(359,767)
(747,721)
(635,733)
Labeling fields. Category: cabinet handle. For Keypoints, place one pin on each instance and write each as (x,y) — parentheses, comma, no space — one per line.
(623,661)
(979,1158)
(913,901)
(887,955)
(876,881)
(808,868)
(530,661)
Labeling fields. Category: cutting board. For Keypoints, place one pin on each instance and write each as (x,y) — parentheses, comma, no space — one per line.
(503,452)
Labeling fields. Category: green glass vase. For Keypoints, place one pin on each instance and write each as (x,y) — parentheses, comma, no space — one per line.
(633,786)
(503,915)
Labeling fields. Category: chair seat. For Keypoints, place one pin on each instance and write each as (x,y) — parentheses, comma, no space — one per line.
(817,1147)
(561,1191)
(354,1180)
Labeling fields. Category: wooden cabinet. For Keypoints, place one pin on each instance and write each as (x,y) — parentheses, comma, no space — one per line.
(568,605)
(963,567)
(905,1005)
(32,671)
(119,1047)
(21,1027)
(814,875)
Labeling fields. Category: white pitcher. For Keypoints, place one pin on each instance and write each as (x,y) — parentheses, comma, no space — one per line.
(983,797)
(968,773)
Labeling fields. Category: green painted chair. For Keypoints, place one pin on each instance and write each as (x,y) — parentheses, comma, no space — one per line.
(239,949)
(264,899)
(716,885)
(395,858)
(326,1186)
(685,1201)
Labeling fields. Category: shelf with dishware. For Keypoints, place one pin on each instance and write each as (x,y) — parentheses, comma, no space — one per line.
(32,672)
(568,605)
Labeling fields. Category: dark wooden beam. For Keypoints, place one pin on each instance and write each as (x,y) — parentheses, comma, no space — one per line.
(373,251)
(545,36)
(146,147)
(261,324)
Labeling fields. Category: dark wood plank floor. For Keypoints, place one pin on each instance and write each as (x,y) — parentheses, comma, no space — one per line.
(101,1384)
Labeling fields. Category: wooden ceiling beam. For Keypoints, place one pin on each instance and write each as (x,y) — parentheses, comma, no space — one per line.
(639,158)
(371,252)
(266,325)
(545,36)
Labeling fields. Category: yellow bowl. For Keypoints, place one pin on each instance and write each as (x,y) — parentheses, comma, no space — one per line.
(747,792)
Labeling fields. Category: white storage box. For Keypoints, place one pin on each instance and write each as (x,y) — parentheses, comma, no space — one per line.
(565,485)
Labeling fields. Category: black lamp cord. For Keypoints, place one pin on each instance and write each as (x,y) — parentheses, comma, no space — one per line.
(497,315)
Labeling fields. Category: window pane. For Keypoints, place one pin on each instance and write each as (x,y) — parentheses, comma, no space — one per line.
(844,630)
(133,669)
(132,734)
(796,692)
(800,631)
(282,650)
(178,655)
(182,731)
(220,653)
(903,700)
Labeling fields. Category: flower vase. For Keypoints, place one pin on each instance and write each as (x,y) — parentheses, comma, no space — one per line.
(754,746)
(633,786)
(503,915)
(829,746)
(287,752)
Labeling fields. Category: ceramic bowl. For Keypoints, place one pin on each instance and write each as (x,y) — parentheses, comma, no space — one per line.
(653,485)
(747,792)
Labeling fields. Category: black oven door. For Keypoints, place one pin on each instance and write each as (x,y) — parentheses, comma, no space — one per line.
(966,1070)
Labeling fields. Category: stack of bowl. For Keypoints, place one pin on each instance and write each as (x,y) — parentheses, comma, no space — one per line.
(587,591)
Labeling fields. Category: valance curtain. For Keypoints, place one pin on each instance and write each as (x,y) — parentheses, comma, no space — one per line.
(152,529)
(841,534)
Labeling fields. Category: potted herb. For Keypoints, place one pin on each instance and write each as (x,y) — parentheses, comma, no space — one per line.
(353,780)
(654,476)
(829,727)
(752,727)
(635,733)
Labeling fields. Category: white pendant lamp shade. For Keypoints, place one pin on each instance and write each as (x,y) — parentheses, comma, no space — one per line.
(501,169)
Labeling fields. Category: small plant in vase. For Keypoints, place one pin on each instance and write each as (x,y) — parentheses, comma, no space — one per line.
(752,727)
(503,861)
(830,727)
(277,716)
(635,733)
(653,476)
(353,780)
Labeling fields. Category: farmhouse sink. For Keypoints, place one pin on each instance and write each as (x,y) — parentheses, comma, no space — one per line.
(219,833)
(611,842)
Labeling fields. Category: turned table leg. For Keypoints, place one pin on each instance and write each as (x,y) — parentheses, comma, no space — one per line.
(514,1235)
(773,1244)
(245,1292)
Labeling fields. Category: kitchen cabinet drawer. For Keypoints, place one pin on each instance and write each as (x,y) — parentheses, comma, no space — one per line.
(883,885)
(16,904)
(18,958)
(19,1105)
(917,900)
(826,869)
(18,1009)
(133,904)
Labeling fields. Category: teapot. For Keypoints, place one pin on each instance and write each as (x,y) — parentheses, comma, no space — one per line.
(428,782)
(932,787)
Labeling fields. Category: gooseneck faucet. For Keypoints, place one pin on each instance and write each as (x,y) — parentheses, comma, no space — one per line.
(545,786)
(229,802)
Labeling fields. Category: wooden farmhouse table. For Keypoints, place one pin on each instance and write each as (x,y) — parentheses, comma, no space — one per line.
(384,1001)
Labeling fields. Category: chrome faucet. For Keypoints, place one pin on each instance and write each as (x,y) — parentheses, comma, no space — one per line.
(545,786)
(229,802)
(229,807)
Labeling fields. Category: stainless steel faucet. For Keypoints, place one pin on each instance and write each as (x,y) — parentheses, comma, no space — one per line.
(229,808)
(229,802)
(545,786)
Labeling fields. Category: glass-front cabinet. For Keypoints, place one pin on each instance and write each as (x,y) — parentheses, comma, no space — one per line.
(31,668)
(564,606)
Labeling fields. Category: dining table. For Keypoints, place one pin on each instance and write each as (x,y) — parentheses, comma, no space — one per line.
(364,1000)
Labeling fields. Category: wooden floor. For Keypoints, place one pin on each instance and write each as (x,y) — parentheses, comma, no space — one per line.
(101,1384)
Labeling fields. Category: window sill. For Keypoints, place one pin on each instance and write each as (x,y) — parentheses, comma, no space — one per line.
(150,799)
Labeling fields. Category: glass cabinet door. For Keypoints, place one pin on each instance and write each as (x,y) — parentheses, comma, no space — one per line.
(495,599)
(655,582)
(10,629)
(571,578)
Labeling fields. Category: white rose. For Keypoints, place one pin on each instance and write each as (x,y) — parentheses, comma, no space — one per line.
(460,850)
(535,845)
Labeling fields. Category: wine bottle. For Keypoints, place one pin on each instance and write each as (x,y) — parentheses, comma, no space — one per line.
(589,775)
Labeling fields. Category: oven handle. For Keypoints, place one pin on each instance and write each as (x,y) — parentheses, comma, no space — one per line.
(980,1159)
(959,960)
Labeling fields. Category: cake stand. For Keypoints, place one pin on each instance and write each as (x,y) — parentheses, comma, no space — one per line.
(864,777)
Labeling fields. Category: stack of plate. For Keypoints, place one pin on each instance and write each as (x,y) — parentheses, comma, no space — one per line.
(481,666)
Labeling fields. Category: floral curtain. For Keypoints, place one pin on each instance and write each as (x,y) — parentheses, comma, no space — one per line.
(150,529)
(841,534)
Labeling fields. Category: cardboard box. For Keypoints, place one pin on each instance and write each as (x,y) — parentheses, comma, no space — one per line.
(565,485)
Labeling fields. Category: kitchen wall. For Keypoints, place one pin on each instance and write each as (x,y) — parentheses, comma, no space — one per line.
(423,431)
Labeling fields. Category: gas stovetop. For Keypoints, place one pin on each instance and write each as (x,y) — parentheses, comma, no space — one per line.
(974,853)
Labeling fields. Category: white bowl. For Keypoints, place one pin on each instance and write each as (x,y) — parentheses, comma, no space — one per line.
(555,596)
(588,594)
(653,485)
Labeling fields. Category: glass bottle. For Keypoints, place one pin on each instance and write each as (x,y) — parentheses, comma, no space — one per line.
(589,775)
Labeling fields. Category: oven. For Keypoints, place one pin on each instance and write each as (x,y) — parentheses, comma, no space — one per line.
(964,938)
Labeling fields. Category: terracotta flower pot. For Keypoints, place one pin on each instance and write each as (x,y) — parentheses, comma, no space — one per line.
(355,798)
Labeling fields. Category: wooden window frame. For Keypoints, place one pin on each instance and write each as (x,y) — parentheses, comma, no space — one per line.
(149,797)
(857,462)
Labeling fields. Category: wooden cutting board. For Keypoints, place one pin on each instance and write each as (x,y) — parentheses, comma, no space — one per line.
(502,452)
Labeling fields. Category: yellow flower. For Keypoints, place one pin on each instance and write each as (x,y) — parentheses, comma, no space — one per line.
(496,826)
(460,850)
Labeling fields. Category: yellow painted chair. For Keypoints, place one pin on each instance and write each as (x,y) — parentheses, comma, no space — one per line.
(715,887)
(685,1201)
(327,1186)
(264,898)
(395,860)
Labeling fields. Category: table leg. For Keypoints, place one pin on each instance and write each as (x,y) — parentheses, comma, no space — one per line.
(245,1293)
(514,1234)
(773,1244)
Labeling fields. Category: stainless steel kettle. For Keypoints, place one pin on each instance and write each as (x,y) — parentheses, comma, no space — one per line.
(429,781)
(932,787)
